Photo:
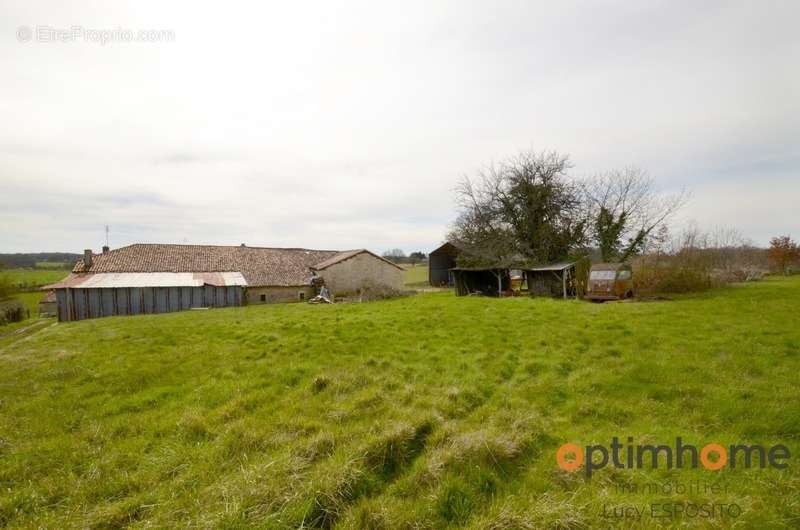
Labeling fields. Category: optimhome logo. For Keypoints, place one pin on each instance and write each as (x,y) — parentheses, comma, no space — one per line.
(629,456)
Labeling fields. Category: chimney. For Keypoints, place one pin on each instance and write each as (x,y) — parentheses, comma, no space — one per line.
(105,249)
(87,258)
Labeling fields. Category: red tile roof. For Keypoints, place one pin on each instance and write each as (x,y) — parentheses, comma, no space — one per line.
(259,266)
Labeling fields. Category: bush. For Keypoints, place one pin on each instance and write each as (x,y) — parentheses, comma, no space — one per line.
(370,291)
(6,288)
(670,278)
(697,261)
(12,311)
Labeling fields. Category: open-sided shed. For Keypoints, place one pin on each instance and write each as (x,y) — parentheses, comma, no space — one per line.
(488,281)
(563,279)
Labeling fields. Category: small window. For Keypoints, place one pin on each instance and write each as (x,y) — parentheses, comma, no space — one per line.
(624,275)
(301,295)
(263,298)
(601,275)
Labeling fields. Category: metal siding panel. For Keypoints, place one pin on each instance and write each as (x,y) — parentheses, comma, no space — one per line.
(107,299)
(197,296)
(122,301)
(209,296)
(73,304)
(220,297)
(174,298)
(148,300)
(161,300)
(135,296)
(93,297)
(61,304)
(186,297)
(79,301)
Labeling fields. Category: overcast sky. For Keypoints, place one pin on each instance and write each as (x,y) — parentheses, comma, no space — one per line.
(347,124)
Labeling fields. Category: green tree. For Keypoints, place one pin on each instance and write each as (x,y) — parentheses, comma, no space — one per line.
(525,208)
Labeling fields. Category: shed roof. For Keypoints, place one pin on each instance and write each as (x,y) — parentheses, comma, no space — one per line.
(448,247)
(560,266)
(148,279)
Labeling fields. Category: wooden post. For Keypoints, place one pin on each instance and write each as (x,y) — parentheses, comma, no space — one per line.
(564,282)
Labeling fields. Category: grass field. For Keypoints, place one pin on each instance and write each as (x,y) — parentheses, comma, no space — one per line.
(416,275)
(28,281)
(31,301)
(31,279)
(424,412)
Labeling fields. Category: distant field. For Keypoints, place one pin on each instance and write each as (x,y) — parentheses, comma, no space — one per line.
(416,275)
(53,265)
(30,279)
(31,301)
(28,282)
(425,412)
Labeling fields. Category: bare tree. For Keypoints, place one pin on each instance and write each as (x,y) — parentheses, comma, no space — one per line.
(395,255)
(523,208)
(626,209)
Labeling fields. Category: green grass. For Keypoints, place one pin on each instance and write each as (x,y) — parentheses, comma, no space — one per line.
(31,279)
(424,412)
(416,275)
(31,301)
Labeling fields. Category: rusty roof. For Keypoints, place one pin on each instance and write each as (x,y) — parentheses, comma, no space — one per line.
(50,296)
(258,265)
(98,280)
(560,266)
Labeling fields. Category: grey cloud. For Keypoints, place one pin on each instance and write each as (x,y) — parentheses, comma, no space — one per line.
(350,126)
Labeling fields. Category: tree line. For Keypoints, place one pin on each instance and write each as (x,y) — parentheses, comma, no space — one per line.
(529,209)
(63,260)
(397,255)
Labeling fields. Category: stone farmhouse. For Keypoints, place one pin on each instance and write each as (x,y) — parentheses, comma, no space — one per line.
(156,278)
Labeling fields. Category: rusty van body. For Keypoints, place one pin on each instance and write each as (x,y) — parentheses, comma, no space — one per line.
(610,281)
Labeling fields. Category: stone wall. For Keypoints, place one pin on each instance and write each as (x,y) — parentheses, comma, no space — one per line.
(273,295)
(363,271)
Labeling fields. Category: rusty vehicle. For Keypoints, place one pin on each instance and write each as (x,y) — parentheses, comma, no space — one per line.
(610,281)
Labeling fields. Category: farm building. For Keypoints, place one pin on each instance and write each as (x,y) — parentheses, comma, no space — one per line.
(560,280)
(440,263)
(47,305)
(153,278)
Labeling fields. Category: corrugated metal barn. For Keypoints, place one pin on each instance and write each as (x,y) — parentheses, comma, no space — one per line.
(110,294)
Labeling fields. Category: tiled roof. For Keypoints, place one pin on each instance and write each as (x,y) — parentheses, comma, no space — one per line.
(259,266)
(342,256)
